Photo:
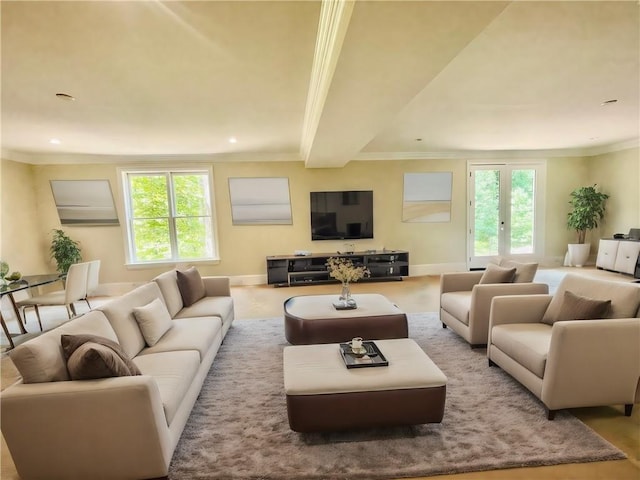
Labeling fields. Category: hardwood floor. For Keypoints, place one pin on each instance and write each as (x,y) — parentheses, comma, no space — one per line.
(421,294)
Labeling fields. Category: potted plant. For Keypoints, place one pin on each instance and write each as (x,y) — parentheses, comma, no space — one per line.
(64,250)
(588,206)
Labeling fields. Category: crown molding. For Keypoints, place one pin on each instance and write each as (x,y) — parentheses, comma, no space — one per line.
(499,154)
(81,158)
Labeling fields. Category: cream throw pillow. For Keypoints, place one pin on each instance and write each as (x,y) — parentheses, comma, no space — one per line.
(154,321)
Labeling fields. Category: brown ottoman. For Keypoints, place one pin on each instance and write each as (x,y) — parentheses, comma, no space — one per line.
(323,395)
(310,319)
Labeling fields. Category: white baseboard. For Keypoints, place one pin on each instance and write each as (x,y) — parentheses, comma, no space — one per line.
(239,280)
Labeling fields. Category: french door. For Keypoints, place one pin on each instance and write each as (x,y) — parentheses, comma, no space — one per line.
(505,211)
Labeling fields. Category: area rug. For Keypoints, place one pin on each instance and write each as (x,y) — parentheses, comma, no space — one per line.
(238,428)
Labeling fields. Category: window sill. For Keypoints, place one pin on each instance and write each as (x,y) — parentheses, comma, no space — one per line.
(171,264)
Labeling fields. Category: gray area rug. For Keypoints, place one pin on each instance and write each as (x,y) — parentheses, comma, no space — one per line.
(239,430)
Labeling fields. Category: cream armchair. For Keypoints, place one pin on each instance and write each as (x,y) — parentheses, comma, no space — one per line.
(465,302)
(570,363)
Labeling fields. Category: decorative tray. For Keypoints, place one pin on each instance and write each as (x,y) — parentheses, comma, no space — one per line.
(373,357)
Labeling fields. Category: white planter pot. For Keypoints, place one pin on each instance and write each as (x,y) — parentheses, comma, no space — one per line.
(579,253)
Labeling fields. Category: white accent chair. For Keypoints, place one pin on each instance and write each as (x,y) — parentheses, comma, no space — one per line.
(74,291)
(93,280)
(570,363)
(465,303)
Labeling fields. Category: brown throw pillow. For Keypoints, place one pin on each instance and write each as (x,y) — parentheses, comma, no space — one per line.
(577,307)
(99,358)
(190,285)
(496,274)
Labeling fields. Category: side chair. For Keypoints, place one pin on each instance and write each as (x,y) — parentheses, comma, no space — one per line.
(75,290)
(93,280)
(465,297)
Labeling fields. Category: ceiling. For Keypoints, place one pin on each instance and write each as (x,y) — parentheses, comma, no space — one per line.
(320,83)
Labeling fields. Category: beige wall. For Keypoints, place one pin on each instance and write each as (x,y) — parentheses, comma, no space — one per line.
(23,246)
(618,175)
(243,248)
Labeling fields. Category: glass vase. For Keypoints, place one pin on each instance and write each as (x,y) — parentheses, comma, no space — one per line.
(345,296)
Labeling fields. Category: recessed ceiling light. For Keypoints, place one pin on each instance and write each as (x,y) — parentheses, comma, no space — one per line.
(55,141)
(418,139)
(65,96)
(233,140)
(609,102)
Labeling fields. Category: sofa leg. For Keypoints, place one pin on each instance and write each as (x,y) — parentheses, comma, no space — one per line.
(491,363)
(444,326)
(551,414)
(627,409)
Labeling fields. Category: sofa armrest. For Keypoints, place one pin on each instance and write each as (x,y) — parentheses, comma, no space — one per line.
(518,309)
(459,281)
(73,429)
(482,295)
(592,362)
(217,286)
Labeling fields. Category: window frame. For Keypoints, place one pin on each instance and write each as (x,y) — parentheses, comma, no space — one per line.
(128,233)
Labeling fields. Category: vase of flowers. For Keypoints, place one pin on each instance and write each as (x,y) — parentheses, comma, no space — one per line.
(343,270)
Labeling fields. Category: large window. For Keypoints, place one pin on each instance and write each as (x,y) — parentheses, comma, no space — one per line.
(169,215)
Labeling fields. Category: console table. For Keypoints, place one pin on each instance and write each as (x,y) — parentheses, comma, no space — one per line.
(287,270)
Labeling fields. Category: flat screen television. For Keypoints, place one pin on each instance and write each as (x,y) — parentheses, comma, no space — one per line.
(343,215)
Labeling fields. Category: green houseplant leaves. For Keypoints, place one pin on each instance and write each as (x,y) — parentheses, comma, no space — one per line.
(64,250)
(588,206)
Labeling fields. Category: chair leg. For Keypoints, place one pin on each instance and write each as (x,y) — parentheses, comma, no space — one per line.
(38,315)
(628,408)
(551,414)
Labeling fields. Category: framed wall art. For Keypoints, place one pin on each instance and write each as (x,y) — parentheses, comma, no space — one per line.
(260,201)
(84,202)
(427,197)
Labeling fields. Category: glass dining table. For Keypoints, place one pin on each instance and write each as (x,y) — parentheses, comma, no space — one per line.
(25,283)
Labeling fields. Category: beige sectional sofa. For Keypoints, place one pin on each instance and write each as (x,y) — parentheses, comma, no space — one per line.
(123,427)
(571,363)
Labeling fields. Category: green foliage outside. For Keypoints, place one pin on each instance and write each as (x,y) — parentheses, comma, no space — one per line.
(154,222)
(487,211)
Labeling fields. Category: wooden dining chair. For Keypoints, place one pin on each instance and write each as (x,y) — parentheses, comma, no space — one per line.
(74,291)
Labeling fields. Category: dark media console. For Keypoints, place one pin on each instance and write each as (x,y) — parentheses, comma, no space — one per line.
(288,270)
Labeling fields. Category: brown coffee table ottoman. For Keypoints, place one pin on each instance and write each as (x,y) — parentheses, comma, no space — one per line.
(323,395)
(310,319)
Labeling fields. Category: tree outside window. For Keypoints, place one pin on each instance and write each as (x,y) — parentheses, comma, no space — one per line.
(169,215)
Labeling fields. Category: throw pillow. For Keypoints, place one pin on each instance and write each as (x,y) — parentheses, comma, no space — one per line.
(190,285)
(92,356)
(577,307)
(496,274)
(154,321)
(525,272)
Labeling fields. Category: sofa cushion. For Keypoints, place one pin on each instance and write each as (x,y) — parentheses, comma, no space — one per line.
(577,307)
(174,373)
(496,274)
(624,296)
(189,334)
(210,306)
(457,304)
(154,320)
(120,313)
(525,272)
(168,283)
(70,343)
(527,343)
(190,285)
(41,359)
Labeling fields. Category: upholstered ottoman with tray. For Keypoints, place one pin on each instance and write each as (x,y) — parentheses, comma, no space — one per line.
(312,319)
(324,395)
